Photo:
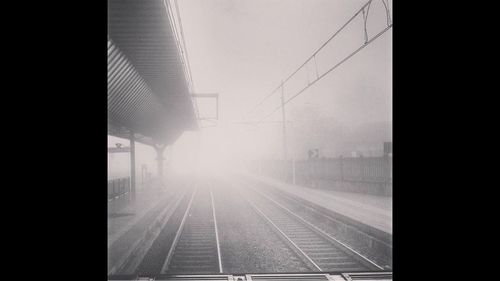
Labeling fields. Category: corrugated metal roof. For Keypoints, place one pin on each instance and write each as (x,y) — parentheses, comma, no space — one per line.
(147,86)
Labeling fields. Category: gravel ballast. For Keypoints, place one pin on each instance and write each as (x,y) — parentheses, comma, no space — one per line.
(248,243)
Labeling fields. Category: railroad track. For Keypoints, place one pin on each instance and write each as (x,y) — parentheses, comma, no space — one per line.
(195,249)
(316,247)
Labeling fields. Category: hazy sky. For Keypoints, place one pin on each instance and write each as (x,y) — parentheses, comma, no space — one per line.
(242,49)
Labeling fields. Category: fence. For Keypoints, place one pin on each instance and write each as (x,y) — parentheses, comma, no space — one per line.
(371,175)
(117,187)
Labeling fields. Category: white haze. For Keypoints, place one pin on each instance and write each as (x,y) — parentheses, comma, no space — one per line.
(242,50)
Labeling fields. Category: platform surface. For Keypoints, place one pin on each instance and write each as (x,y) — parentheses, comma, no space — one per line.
(124,212)
(375,211)
(131,220)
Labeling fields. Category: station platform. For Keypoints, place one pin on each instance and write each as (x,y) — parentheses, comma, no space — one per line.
(374,211)
(125,211)
(131,219)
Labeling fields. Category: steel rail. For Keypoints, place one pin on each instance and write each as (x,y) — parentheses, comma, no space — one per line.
(216,232)
(322,232)
(284,235)
(177,235)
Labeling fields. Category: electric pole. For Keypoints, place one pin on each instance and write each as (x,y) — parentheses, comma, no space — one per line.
(284,131)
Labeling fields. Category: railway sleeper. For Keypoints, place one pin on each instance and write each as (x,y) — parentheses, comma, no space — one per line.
(313,242)
(191,266)
(194,262)
(208,248)
(340,264)
(192,258)
(196,243)
(193,247)
(332,259)
(326,255)
(321,250)
(345,269)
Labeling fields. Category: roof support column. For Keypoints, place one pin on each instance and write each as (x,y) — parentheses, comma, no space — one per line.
(160,148)
(132,163)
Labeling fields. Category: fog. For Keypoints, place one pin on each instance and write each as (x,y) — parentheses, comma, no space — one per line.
(276,177)
(242,50)
(347,111)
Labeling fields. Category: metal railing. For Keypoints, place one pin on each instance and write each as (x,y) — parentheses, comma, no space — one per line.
(118,187)
(359,169)
(346,173)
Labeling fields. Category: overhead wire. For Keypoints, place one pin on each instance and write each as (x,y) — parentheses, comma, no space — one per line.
(310,57)
(328,71)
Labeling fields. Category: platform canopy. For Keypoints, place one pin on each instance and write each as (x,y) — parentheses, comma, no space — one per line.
(148,82)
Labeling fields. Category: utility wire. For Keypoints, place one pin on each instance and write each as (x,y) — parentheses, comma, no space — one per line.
(328,71)
(310,57)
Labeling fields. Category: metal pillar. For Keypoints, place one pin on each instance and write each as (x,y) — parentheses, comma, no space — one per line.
(284,131)
(132,163)
(293,157)
(144,170)
(341,164)
(159,158)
